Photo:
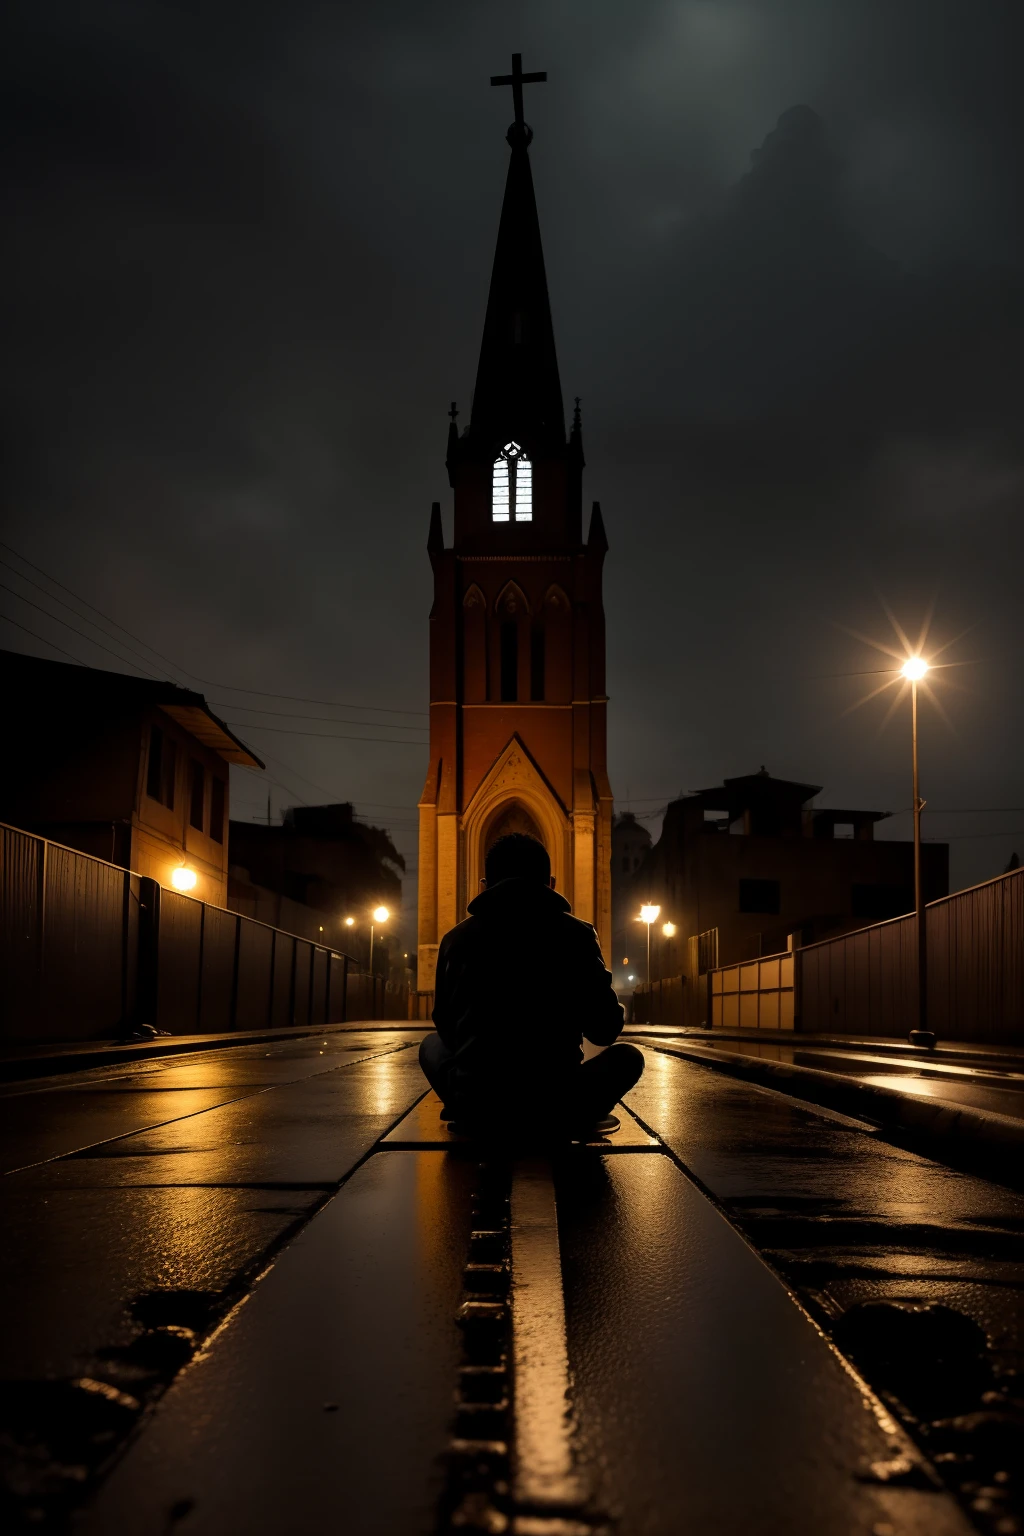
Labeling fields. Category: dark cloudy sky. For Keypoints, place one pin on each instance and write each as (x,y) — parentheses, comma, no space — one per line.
(247,255)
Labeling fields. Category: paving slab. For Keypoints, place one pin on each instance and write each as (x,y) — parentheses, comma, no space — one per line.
(192,1206)
(51,1122)
(325,1401)
(705,1399)
(74,1260)
(303,1133)
(849,1215)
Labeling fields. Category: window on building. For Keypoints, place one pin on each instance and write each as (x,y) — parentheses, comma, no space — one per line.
(170,774)
(218,803)
(509,661)
(154,769)
(162,768)
(760,896)
(196,795)
(537,662)
(512,486)
(842,829)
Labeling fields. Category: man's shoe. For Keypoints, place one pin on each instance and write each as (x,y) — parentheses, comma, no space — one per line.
(606,1127)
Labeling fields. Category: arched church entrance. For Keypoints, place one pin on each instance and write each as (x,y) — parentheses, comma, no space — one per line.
(513,817)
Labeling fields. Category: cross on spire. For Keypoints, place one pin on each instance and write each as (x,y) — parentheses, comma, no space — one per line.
(517,80)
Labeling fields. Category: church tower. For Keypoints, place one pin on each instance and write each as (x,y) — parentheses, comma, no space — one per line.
(517,682)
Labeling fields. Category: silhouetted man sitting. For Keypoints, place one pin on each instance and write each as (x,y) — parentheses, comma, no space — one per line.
(519,984)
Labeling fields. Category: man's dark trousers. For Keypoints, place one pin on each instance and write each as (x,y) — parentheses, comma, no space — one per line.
(590,1090)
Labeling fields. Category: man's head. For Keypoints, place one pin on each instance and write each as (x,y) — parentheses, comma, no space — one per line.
(517,857)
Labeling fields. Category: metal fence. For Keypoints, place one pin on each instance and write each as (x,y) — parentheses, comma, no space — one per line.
(759,994)
(866,982)
(662,1003)
(88,949)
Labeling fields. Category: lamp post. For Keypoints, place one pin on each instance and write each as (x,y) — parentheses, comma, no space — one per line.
(380,916)
(914,669)
(649,915)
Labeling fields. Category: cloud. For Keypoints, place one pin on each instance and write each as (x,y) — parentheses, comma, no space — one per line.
(246,264)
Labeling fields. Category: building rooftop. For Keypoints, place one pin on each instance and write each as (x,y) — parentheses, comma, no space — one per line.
(90,690)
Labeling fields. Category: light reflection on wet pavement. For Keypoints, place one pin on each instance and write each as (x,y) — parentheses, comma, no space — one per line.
(979,1083)
(172,1188)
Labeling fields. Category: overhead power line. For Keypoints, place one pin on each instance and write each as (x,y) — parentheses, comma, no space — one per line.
(42,640)
(282,730)
(291,698)
(61,604)
(86,604)
(176,666)
(54,619)
(281,714)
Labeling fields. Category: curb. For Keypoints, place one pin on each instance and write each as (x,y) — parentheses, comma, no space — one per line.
(927,1119)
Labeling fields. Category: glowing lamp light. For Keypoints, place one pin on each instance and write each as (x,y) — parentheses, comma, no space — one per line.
(350,922)
(630,977)
(381,914)
(668,930)
(649,914)
(183,878)
(914,668)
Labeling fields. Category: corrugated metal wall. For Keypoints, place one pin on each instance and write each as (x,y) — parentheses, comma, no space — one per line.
(64,972)
(87,948)
(865,983)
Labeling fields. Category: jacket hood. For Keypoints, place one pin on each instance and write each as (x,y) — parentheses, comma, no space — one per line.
(517,893)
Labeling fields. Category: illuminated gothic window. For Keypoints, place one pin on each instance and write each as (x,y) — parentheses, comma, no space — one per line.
(512,486)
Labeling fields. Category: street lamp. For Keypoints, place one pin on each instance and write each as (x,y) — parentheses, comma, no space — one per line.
(914,669)
(649,914)
(380,916)
(183,878)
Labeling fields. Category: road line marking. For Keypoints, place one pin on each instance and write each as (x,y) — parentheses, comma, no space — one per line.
(544,1472)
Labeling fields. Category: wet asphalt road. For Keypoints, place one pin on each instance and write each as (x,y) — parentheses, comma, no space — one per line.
(140,1206)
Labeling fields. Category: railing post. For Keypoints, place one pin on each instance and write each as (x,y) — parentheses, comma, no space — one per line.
(149,950)
(234,972)
(270,984)
(199,971)
(327,991)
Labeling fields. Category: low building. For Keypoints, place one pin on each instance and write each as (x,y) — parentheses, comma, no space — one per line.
(313,872)
(752,868)
(125,768)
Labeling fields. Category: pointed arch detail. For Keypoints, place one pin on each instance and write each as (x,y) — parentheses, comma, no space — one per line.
(515,779)
(474,646)
(511,601)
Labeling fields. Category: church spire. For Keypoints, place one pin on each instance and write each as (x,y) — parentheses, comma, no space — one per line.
(518,393)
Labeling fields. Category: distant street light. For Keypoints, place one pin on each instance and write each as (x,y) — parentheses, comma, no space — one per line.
(669,930)
(649,914)
(380,916)
(914,669)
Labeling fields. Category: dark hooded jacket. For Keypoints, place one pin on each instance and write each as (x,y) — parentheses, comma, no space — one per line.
(519,984)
